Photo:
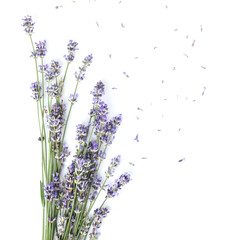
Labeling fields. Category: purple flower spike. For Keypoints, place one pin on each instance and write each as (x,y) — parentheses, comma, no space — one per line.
(43,69)
(82,132)
(112,191)
(98,92)
(41,49)
(36,91)
(86,63)
(28,24)
(114,163)
(72,46)
(53,91)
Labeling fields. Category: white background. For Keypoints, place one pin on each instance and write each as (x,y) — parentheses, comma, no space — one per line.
(166,199)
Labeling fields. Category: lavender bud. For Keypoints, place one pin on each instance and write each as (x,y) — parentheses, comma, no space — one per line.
(41,49)
(53,91)
(28,24)
(73,98)
(114,163)
(112,191)
(72,47)
(82,132)
(36,91)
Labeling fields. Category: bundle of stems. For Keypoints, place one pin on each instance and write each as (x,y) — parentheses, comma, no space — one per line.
(68,201)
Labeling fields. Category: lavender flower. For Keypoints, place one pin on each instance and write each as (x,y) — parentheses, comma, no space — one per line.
(73,98)
(56,121)
(28,24)
(114,163)
(55,68)
(98,92)
(64,153)
(97,183)
(36,91)
(51,191)
(101,113)
(86,63)
(44,68)
(40,49)
(53,71)
(99,213)
(72,47)
(82,132)
(109,129)
(53,91)
(112,191)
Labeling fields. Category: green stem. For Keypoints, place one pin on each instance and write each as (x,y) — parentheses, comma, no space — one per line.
(64,77)
(43,223)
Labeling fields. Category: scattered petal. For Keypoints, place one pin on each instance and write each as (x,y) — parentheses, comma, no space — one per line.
(131,163)
(136,138)
(193,43)
(203,91)
(126,74)
(181,160)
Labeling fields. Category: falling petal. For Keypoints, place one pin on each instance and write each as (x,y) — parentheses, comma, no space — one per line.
(136,138)
(181,160)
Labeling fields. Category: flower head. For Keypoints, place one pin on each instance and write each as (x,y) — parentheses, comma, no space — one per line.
(73,98)
(82,132)
(114,163)
(86,63)
(53,71)
(53,91)
(72,47)
(112,191)
(98,92)
(28,24)
(36,91)
(44,68)
(40,49)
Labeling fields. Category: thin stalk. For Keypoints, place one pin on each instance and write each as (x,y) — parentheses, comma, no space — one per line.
(41,136)
(66,70)
(43,222)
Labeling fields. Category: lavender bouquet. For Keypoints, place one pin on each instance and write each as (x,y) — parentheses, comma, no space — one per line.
(68,200)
